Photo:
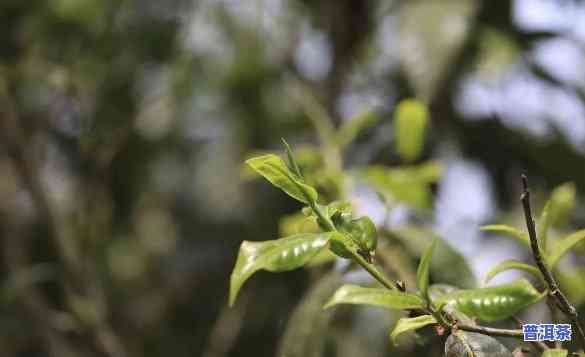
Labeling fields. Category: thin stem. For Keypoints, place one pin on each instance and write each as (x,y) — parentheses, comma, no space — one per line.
(560,298)
(374,272)
(499,333)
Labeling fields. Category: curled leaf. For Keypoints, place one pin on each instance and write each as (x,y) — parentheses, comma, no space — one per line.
(409,324)
(275,256)
(275,170)
(493,303)
(390,299)
(513,264)
(562,246)
(508,231)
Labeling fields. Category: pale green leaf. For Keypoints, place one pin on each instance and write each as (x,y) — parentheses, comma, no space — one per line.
(544,222)
(508,231)
(493,303)
(390,299)
(510,265)
(562,246)
(349,131)
(409,324)
(556,352)
(562,202)
(410,123)
(275,256)
(422,273)
(274,169)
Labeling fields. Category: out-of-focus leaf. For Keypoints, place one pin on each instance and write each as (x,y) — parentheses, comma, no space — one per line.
(409,324)
(390,299)
(562,246)
(508,231)
(410,185)
(410,123)
(422,273)
(297,223)
(493,303)
(429,40)
(562,202)
(306,332)
(18,282)
(275,256)
(274,169)
(555,353)
(544,222)
(348,132)
(572,283)
(513,264)
(447,265)
(471,344)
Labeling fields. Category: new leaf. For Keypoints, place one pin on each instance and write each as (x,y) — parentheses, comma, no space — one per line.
(275,256)
(274,169)
(390,299)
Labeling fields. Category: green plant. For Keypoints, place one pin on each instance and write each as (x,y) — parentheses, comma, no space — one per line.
(339,233)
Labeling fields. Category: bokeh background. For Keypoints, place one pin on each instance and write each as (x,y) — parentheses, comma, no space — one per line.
(124,125)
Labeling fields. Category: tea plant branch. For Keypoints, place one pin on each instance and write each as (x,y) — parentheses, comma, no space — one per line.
(563,303)
(498,332)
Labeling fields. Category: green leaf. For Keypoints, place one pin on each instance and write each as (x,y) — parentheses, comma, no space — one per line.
(493,303)
(508,231)
(275,256)
(390,299)
(544,222)
(291,159)
(275,170)
(422,273)
(410,185)
(562,246)
(349,131)
(471,344)
(410,324)
(562,202)
(410,120)
(513,264)
(555,353)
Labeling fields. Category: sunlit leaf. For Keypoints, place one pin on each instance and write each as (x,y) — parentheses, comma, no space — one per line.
(409,324)
(471,344)
(297,223)
(508,231)
(493,303)
(555,353)
(274,169)
(422,274)
(562,246)
(513,265)
(275,256)
(390,299)
(410,123)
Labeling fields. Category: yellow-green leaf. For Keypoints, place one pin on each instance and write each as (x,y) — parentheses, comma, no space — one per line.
(562,202)
(493,303)
(562,246)
(390,299)
(422,273)
(513,264)
(274,169)
(555,353)
(508,231)
(410,118)
(409,324)
(275,256)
